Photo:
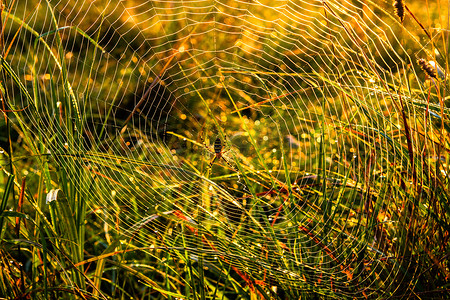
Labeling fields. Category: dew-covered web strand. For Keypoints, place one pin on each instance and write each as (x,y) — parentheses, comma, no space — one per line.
(322,75)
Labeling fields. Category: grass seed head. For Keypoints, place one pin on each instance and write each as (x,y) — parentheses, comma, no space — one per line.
(426,67)
(399,8)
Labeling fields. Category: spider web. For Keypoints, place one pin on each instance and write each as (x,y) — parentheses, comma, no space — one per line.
(308,95)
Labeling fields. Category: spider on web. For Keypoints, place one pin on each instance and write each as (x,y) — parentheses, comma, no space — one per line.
(218,152)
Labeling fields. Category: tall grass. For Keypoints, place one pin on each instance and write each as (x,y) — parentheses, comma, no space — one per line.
(339,185)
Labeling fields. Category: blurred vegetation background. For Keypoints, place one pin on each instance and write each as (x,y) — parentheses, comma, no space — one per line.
(224,149)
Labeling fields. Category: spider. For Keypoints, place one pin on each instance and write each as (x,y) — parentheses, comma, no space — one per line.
(218,152)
